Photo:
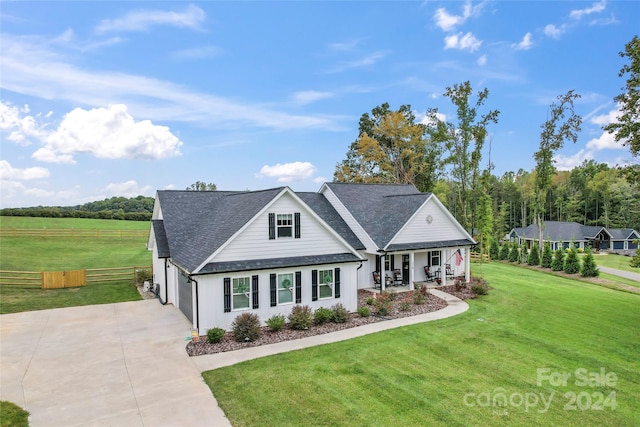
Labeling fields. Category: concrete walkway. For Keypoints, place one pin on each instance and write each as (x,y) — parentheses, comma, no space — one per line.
(620,273)
(219,360)
(119,364)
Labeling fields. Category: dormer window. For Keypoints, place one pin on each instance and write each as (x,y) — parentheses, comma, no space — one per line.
(284,225)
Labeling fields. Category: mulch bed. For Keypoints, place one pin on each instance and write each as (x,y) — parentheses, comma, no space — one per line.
(200,345)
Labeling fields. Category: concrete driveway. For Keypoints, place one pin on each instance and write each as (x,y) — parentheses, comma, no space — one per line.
(104,365)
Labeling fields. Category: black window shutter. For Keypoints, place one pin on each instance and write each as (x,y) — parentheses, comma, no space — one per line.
(254,285)
(296,224)
(391,263)
(298,287)
(378,263)
(272,226)
(314,285)
(227,294)
(274,290)
(336,284)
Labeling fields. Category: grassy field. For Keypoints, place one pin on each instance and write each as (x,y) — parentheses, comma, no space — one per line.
(456,371)
(620,262)
(11,415)
(78,223)
(69,253)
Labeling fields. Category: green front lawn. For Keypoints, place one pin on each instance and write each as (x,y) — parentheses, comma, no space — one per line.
(449,372)
(620,262)
(26,222)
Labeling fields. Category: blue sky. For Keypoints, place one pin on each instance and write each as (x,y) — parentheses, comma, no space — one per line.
(102,99)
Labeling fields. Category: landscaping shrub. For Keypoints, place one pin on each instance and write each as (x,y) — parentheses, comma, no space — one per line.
(547,256)
(635,261)
(572,262)
(589,268)
(364,311)
(524,255)
(382,304)
(558,260)
(513,253)
(246,327)
(370,300)
(494,249)
(503,254)
(480,288)
(275,322)
(534,255)
(301,317)
(340,313)
(214,335)
(420,295)
(322,315)
(405,305)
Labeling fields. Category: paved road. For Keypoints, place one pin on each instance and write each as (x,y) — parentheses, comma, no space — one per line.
(119,364)
(621,273)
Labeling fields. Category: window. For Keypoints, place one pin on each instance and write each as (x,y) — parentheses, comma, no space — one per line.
(285,288)
(284,225)
(434,258)
(387,262)
(325,283)
(240,293)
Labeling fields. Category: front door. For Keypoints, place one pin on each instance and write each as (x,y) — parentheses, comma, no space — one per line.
(405,269)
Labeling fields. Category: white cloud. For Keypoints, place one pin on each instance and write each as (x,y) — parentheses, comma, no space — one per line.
(110,133)
(31,68)
(462,42)
(309,96)
(288,172)
(606,140)
(524,44)
(7,172)
(554,32)
(566,163)
(21,127)
(447,21)
(365,61)
(142,20)
(346,46)
(424,119)
(482,61)
(128,189)
(595,8)
(320,180)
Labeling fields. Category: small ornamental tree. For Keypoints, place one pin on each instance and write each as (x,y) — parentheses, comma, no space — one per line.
(513,253)
(589,268)
(503,253)
(524,254)
(534,255)
(558,259)
(494,250)
(635,261)
(547,256)
(572,262)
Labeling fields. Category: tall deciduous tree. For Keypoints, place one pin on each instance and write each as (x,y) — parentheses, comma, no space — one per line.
(391,148)
(627,127)
(463,144)
(563,124)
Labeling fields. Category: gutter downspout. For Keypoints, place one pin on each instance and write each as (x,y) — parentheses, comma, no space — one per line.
(197,304)
(166,267)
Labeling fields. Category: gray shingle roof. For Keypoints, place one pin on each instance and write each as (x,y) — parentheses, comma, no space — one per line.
(623,233)
(265,264)
(197,223)
(161,238)
(381,209)
(559,231)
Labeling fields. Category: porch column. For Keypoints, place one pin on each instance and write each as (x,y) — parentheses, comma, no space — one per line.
(467,261)
(383,278)
(444,256)
(412,274)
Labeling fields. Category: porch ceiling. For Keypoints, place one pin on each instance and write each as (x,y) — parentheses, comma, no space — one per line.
(428,245)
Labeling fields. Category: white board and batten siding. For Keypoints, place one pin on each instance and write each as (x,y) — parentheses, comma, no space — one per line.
(418,229)
(211,295)
(254,243)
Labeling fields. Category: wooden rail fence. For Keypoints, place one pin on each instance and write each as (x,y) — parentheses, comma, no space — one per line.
(475,257)
(70,232)
(71,278)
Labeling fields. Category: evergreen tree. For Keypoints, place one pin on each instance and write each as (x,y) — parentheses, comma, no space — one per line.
(547,256)
(635,261)
(572,262)
(513,253)
(503,254)
(589,267)
(524,255)
(558,259)
(494,250)
(534,255)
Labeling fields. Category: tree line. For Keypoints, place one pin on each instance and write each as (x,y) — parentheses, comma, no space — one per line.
(445,157)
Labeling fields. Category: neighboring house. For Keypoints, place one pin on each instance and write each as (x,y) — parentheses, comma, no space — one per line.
(562,234)
(219,253)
